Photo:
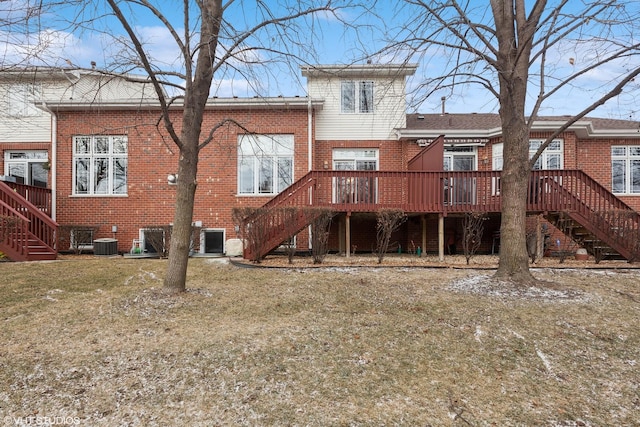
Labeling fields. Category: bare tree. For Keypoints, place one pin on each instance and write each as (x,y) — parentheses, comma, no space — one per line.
(289,215)
(472,231)
(525,55)
(211,38)
(252,225)
(388,221)
(76,237)
(7,226)
(320,227)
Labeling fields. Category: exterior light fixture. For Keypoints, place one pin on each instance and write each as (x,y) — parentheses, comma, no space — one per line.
(172,179)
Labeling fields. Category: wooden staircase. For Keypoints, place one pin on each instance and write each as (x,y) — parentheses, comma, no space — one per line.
(283,216)
(594,218)
(27,232)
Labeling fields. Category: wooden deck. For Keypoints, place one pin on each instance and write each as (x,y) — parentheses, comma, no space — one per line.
(550,192)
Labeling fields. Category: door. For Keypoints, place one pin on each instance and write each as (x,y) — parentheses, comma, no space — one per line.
(351,189)
(461,189)
(28,167)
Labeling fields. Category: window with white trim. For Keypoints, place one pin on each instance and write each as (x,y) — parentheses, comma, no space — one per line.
(265,163)
(625,169)
(355,159)
(27,167)
(551,158)
(356,96)
(100,165)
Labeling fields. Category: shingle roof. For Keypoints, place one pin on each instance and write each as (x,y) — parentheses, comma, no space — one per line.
(483,121)
(488,125)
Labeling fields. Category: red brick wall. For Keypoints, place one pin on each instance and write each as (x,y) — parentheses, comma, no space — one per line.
(152,156)
(595,160)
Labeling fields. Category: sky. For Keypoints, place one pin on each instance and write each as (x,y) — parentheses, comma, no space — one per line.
(348,36)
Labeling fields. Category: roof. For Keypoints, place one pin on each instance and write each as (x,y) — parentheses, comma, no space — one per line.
(359,70)
(212,104)
(483,125)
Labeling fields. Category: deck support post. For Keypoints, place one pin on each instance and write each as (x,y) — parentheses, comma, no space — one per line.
(424,234)
(539,239)
(347,234)
(341,244)
(441,237)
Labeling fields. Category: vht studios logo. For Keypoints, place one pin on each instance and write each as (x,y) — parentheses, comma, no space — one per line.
(41,421)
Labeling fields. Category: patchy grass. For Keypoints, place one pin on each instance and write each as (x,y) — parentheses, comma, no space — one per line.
(95,340)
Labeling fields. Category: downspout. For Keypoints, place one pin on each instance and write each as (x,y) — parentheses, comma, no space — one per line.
(54,159)
(310,153)
(309,133)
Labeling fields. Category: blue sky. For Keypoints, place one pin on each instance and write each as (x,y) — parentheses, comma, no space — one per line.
(333,41)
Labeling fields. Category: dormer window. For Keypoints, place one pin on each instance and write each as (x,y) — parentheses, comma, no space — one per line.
(357,96)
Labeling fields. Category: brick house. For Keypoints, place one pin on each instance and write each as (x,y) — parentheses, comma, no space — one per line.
(348,145)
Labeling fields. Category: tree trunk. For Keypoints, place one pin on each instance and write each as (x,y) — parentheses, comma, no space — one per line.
(195,99)
(515,35)
(514,259)
(175,278)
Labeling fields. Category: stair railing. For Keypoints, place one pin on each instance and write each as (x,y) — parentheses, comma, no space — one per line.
(40,224)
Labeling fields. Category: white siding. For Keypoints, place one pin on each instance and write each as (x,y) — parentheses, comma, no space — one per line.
(54,87)
(31,128)
(389,110)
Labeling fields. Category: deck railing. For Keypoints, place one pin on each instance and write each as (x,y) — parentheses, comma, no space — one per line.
(38,196)
(458,192)
(444,191)
(14,232)
(410,191)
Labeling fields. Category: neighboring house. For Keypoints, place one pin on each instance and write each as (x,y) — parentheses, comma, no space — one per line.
(26,126)
(349,146)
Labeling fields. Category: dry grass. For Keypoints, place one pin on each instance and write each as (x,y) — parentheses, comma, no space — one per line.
(95,340)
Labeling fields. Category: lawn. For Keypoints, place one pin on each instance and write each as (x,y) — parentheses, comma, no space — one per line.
(94,342)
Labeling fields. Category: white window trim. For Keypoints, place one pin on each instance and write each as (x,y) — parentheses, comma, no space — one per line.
(548,152)
(355,154)
(357,101)
(343,155)
(32,156)
(287,153)
(627,157)
(92,156)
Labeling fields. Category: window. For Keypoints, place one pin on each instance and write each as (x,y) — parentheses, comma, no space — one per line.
(459,158)
(265,163)
(27,167)
(22,99)
(100,165)
(357,97)
(625,169)
(497,162)
(551,157)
